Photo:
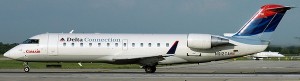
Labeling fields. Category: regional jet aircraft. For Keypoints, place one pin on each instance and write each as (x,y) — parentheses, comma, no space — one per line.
(262,55)
(149,50)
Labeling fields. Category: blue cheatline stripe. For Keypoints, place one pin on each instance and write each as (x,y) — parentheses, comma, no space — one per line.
(261,25)
(173,48)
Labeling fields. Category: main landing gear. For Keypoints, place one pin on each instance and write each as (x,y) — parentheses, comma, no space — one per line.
(150,69)
(26,67)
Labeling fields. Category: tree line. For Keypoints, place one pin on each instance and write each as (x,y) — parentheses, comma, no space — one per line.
(291,50)
(6,47)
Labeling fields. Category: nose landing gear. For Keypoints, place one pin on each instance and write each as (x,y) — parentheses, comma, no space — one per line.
(26,67)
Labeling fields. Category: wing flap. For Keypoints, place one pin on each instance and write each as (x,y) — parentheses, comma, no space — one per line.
(129,57)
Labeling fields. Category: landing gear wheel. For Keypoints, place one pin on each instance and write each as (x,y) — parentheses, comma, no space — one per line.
(26,69)
(150,69)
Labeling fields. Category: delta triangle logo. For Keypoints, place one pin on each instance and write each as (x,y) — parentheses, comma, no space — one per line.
(62,39)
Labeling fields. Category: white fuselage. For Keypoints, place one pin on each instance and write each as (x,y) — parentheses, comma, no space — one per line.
(97,47)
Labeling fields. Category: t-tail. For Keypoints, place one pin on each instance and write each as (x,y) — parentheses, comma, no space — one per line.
(263,23)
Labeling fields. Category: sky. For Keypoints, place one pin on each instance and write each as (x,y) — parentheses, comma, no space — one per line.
(21,19)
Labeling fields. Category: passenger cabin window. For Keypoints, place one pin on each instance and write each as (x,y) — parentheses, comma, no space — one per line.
(142,44)
(167,44)
(149,44)
(99,44)
(107,44)
(158,44)
(81,44)
(116,44)
(73,44)
(31,41)
(133,44)
(124,44)
(64,44)
(90,44)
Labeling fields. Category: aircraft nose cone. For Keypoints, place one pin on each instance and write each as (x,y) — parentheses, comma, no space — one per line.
(7,54)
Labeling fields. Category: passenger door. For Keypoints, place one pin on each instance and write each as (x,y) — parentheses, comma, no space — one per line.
(52,44)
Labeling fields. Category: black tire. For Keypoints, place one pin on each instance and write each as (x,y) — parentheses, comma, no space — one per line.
(26,69)
(150,69)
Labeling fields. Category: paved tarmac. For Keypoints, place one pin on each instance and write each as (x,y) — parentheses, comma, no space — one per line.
(82,76)
(211,71)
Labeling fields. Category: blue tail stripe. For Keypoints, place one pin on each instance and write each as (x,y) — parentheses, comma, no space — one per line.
(259,25)
(274,23)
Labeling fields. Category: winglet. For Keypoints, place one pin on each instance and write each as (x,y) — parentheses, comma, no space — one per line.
(173,48)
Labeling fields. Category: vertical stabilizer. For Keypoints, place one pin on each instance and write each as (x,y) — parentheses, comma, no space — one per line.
(264,22)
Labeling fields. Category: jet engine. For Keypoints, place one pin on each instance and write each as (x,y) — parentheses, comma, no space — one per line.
(205,41)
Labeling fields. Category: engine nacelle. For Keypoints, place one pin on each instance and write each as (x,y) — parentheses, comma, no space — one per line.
(205,41)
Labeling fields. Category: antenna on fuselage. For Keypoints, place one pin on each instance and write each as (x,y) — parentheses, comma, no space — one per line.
(71,31)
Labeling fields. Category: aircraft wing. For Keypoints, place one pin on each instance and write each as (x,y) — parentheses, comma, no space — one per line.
(144,57)
(128,57)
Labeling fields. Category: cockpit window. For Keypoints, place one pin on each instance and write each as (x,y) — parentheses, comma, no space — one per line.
(31,41)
